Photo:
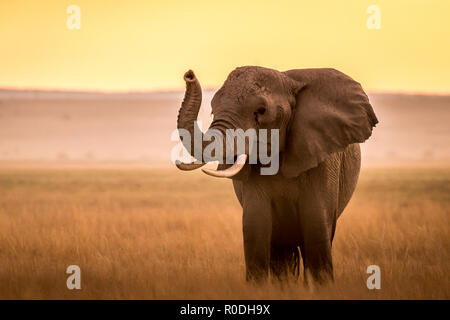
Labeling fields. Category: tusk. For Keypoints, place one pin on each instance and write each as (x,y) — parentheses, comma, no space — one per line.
(231,171)
(188,166)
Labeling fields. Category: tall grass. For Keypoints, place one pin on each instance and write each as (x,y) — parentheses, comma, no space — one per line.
(162,234)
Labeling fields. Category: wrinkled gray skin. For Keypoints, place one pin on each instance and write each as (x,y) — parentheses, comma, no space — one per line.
(322,115)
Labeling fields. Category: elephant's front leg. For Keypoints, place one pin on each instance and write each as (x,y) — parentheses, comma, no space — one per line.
(257,228)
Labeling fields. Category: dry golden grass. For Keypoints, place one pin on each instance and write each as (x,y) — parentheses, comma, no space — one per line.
(163,234)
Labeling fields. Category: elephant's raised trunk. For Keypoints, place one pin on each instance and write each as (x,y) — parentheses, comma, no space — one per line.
(189,111)
(187,117)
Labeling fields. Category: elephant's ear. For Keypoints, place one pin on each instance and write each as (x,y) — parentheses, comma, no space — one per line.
(331,112)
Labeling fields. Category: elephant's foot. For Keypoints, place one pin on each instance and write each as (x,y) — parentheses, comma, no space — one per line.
(256,259)
(318,277)
(284,262)
(256,275)
(318,263)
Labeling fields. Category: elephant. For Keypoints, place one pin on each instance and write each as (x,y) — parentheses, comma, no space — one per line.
(322,115)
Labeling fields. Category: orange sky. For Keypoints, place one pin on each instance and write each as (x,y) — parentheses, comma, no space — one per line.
(148,45)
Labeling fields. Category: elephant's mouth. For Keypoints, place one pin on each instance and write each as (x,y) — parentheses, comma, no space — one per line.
(230,172)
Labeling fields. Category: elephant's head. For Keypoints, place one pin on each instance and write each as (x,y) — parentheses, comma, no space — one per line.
(316,112)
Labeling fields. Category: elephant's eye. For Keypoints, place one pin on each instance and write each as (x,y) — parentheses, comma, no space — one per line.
(261,110)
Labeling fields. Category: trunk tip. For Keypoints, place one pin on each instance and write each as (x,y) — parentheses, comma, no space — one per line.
(189,76)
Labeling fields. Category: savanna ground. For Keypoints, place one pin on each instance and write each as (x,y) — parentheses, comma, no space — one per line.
(162,234)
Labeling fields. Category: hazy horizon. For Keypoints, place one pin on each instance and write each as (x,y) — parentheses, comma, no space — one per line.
(94,128)
(4,90)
